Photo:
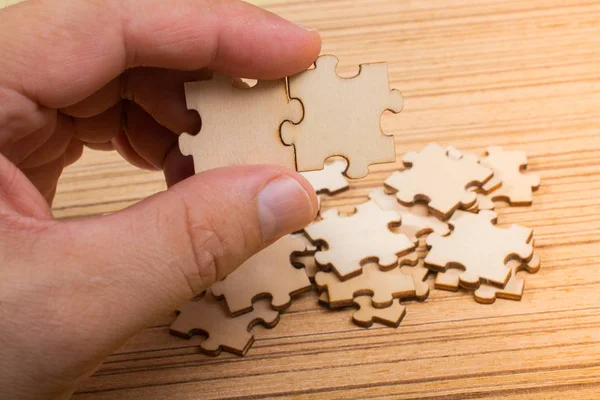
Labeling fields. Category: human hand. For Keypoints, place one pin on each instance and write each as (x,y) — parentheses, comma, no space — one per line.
(71,292)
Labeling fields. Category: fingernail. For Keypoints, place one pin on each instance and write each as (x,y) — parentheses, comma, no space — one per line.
(306,28)
(284,207)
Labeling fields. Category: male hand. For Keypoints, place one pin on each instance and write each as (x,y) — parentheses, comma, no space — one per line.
(109,75)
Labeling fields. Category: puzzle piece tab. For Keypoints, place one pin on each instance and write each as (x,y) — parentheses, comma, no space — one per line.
(209,317)
(439,179)
(268,273)
(239,125)
(357,239)
(342,117)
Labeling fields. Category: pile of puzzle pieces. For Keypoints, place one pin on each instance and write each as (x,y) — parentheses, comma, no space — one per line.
(432,217)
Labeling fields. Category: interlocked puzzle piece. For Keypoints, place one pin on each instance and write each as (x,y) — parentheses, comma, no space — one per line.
(507,165)
(415,220)
(209,317)
(486,293)
(268,273)
(480,247)
(239,125)
(357,239)
(330,180)
(366,315)
(439,179)
(342,117)
(383,286)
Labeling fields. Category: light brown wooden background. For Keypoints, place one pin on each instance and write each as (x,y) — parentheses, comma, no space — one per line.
(521,74)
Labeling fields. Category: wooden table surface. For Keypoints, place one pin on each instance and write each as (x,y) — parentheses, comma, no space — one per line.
(520,74)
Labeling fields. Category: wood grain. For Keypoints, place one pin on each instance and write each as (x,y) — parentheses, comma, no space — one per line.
(524,75)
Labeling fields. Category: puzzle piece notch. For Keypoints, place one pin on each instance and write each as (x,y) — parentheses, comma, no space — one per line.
(358,239)
(383,286)
(438,179)
(517,188)
(413,224)
(366,315)
(240,125)
(330,180)
(479,247)
(269,273)
(342,117)
(209,316)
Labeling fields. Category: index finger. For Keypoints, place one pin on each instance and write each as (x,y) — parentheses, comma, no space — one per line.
(58,53)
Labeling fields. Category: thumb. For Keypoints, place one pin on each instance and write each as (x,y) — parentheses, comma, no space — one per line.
(145,261)
(182,240)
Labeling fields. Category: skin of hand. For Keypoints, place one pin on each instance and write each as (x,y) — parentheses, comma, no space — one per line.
(109,75)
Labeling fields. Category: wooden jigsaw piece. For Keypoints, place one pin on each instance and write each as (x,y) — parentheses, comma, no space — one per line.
(366,315)
(239,125)
(269,273)
(440,180)
(209,317)
(479,247)
(413,224)
(487,294)
(342,117)
(330,180)
(383,286)
(516,186)
(357,239)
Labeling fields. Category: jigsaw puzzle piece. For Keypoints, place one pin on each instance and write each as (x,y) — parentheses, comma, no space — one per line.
(209,317)
(517,188)
(439,179)
(513,290)
(366,315)
(342,117)
(383,286)
(330,180)
(479,247)
(359,238)
(269,273)
(239,125)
